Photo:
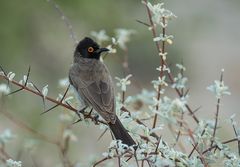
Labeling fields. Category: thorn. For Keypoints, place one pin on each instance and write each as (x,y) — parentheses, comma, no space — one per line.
(221,77)
(77,121)
(194,111)
(36,88)
(128,159)
(187,91)
(102,134)
(159,139)
(44,106)
(141,22)
(28,73)
(90,112)
(70,105)
(3,71)
(49,109)
(64,95)
(79,116)
(14,91)
(95,120)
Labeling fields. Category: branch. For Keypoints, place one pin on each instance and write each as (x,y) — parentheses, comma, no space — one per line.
(59,103)
(159,50)
(215,146)
(27,128)
(65,20)
(235,131)
(216,116)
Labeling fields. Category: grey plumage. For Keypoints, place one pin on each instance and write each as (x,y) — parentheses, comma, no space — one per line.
(92,80)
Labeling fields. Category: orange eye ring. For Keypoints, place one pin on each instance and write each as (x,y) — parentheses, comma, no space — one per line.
(90,49)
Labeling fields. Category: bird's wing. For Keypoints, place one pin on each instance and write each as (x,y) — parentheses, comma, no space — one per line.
(97,91)
(101,93)
(76,77)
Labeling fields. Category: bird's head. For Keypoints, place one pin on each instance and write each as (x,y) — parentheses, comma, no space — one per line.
(88,48)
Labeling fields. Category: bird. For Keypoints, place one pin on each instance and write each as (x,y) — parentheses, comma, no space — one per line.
(92,81)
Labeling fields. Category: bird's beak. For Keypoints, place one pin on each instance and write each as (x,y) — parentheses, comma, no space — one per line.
(100,50)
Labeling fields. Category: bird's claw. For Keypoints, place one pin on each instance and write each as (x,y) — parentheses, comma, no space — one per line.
(77,121)
(79,116)
(95,119)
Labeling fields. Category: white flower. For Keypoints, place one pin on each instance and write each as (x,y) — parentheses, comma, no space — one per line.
(63,82)
(123,82)
(146,96)
(12,163)
(111,49)
(178,105)
(100,36)
(157,102)
(164,68)
(69,134)
(179,82)
(162,38)
(6,136)
(10,76)
(123,36)
(24,80)
(158,13)
(163,55)
(219,89)
(2,73)
(159,127)
(4,89)
(114,41)
(181,67)
(45,91)
(160,81)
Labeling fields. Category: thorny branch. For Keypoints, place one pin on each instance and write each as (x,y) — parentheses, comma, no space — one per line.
(58,103)
(216,116)
(65,146)
(159,50)
(65,20)
(216,146)
(236,133)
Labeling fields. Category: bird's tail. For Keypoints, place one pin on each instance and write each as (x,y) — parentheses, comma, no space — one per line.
(121,133)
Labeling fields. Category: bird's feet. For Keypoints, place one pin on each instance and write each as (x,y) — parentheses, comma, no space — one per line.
(95,119)
(79,116)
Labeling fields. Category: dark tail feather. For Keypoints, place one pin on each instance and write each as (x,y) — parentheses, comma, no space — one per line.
(121,133)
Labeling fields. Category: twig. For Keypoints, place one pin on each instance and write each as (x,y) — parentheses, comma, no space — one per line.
(141,22)
(179,131)
(235,131)
(201,157)
(215,145)
(123,97)
(216,116)
(119,158)
(64,149)
(49,98)
(65,20)
(159,50)
(102,134)
(5,154)
(98,162)
(64,95)
(29,129)
(196,145)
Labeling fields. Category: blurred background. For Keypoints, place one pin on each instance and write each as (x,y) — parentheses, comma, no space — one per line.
(206,39)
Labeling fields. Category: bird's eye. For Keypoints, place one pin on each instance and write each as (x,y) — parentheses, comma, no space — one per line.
(90,49)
